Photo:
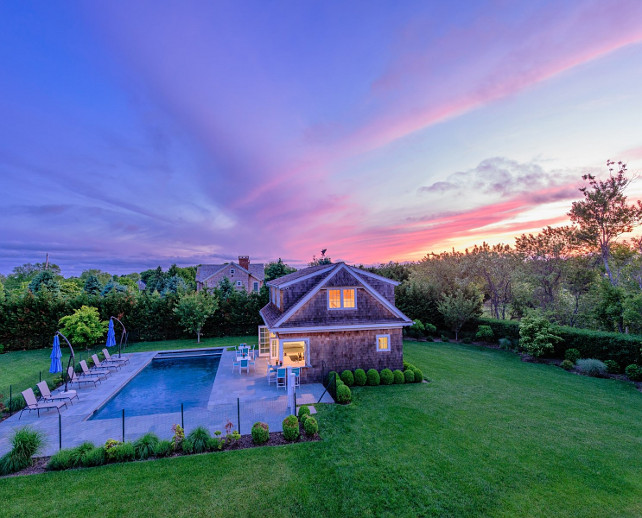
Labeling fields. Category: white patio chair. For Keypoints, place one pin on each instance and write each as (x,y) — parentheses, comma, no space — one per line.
(281,374)
(297,376)
(236,363)
(245,364)
(271,373)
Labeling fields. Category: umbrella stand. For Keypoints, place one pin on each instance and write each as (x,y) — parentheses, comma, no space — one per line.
(71,361)
(122,334)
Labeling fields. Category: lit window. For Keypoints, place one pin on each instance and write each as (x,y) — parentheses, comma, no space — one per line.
(383,343)
(343,298)
(334,299)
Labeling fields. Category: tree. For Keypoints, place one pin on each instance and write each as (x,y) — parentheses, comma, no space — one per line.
(92,285)
(83,327)
(396,271)
(44,281)
(536,336)
(604,214)
(174,285)
(459,308)
(277,269)
(194,309)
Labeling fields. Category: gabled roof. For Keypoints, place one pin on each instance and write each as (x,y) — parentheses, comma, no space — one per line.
(205,271)
(274,318)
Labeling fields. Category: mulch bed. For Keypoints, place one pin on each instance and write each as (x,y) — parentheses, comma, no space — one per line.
(245,442)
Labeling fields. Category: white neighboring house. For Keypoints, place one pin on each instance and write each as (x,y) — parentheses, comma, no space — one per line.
(243,275)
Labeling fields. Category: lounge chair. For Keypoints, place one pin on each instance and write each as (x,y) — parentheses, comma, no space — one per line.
(112,359)
(100,373)
(46,395)
(74,378)
(33,404)
(103,365)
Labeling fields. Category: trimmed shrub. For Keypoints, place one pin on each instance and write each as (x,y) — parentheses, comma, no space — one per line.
(344,394)
(25,443)
(386,377)
(347,377)
(95,457)
(331,375)
(591,367)
(484,333)
(261,433)
(633,372)
(79,452)
(419,376)
(311,427)
(303,410)
(567,365)
(612,366)
(536,335)
(214,443)
(124,452)
(398,377)
(291,427)
(60,460)
(145,446)
(373,377)
(199,437)
(163,449)
(360,377)
(409,376)
(572,355)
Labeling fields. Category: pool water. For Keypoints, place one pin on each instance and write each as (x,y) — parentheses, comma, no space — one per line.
(162,386)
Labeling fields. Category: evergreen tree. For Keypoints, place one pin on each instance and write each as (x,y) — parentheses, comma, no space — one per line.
(92,285)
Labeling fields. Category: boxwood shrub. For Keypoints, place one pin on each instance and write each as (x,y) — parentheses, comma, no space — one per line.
(409,376)
(291,427)
(373,377)
(347,377)
(572,355)
(311,427)
(398,377)
(360,377)
(567,365)
(612,366)
(386,377)
(419,376)
(260,433)
(344,394)
(303,410)
(633,372)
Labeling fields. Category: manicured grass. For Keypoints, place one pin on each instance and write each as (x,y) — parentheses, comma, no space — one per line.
(22,369)
(489,436)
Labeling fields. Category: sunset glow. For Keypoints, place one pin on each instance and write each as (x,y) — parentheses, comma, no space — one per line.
(146,133)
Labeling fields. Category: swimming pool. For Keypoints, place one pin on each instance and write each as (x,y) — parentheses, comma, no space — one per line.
(167,381)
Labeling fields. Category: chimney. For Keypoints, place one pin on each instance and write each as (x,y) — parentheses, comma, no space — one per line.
(244,261)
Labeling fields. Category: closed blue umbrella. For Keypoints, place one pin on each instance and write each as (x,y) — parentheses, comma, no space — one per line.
(56,356)
(111,336)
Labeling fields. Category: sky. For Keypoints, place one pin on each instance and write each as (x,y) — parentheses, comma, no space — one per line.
(137,134)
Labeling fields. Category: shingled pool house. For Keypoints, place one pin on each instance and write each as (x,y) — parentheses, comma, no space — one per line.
(332,317)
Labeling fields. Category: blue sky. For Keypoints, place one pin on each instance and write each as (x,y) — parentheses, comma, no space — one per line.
(191,132)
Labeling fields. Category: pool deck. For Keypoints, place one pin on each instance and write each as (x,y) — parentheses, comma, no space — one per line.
(233,395)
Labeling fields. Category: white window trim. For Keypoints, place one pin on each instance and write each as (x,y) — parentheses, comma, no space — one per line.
(231,271)
(377,344)
(342,308)
(239,283)
(306,349)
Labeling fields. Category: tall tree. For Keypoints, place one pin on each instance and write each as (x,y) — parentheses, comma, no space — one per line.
(604,214)
(44,281)
(276,269)
(92,285)
(459,308)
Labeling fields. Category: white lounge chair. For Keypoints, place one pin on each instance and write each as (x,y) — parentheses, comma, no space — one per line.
(103,365)
(100,373)
(74,378)
(34,404)
(112,359)
(46,394)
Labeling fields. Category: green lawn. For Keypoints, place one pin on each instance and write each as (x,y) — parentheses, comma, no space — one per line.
(489,436)
(23,369)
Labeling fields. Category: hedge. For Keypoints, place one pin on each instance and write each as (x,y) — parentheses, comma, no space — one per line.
(602,345)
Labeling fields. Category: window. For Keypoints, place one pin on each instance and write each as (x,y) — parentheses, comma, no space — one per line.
(231,271)
(342,298)
(256,286)
(383,343)
(239,283)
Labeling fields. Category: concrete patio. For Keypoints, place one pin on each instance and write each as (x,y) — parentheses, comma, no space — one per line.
(234,397)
